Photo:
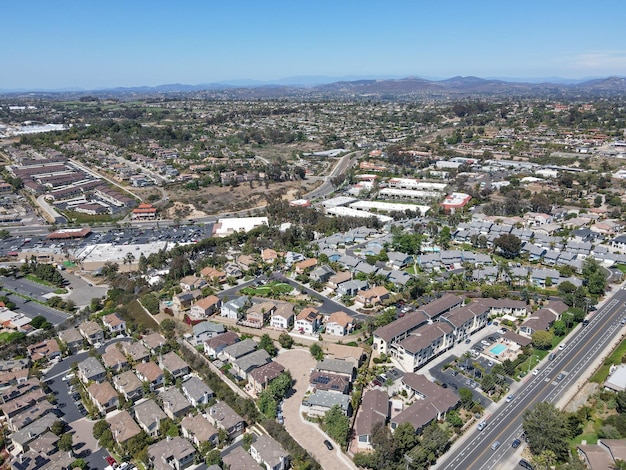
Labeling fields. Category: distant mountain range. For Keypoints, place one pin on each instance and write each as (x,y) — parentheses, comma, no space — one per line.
(382,88)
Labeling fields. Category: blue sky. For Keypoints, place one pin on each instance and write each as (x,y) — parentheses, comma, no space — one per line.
(95,44)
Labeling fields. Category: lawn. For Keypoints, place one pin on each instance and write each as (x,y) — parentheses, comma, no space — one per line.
(621,267)
(615,358)
(273,288)
(136,312)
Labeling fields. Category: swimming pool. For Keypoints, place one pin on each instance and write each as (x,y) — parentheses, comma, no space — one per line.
(497,349)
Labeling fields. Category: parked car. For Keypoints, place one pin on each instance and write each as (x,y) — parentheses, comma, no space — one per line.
(485,342)
(516,443)
(328,445)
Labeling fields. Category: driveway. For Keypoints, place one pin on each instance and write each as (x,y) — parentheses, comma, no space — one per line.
(308,435)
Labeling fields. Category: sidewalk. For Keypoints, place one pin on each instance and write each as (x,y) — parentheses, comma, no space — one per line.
(567,396)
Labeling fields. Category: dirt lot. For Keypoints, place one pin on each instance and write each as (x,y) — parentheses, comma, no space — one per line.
(216,200)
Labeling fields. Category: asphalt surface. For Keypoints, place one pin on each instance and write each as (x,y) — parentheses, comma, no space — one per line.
(34,309)
(583,346)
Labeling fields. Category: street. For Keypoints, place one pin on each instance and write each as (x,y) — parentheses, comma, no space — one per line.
(473,450)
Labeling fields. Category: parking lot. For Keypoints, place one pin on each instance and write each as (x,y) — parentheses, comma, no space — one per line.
(34,309)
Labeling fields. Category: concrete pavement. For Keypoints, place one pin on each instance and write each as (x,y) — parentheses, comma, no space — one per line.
(308,435)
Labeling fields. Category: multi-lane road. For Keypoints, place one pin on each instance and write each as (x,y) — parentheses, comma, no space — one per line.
(583,347)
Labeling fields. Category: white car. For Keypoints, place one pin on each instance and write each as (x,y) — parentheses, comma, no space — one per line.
(510,398)
(536,372)
(562,347)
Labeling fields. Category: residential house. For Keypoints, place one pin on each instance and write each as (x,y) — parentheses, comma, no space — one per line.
(618,243)
(205,330)
(103,396)
(234,309)
(205,307)
(339,324)
(47,349)
(372,296)
(72,338)
(149,415)
(92,332)
(14,391)
(171,453)
(172,363)
(320,402)
(213,275)
(439,306)
(374,410)
(150,373)
(246,262)
(330,382)
(216,344)
(114,323)
(196,391)
(129,385)
(269,256)
(260,377)
(240,459)
(422,345)
(90,370)
(23,402)
(352,287)
(174,403)
(154,342)
(223,417)
(114,359)
(398,260)
(338,278)
(199,430)
(21,439)
(259,314)
(269,453)
(283,316)
(241,348)
(136,352)
(245,364)
(605,454)
(190,283)
(397,330)
(184,300)
(232,270)
(305,266)
(542,319)
(432,404)
(467,320)
(321,274)
(337,366)
(308,321)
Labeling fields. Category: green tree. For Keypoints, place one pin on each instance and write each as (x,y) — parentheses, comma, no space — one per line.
(542,339)
(58,427)
(509,245)
(337,425)
(466,397)
(544,426)
(285,340)
(214,457)
(66,443)
(435,438)
(404,438)
(316,351)
(267,344)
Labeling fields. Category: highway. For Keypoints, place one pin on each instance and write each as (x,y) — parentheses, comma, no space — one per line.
(583,347)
